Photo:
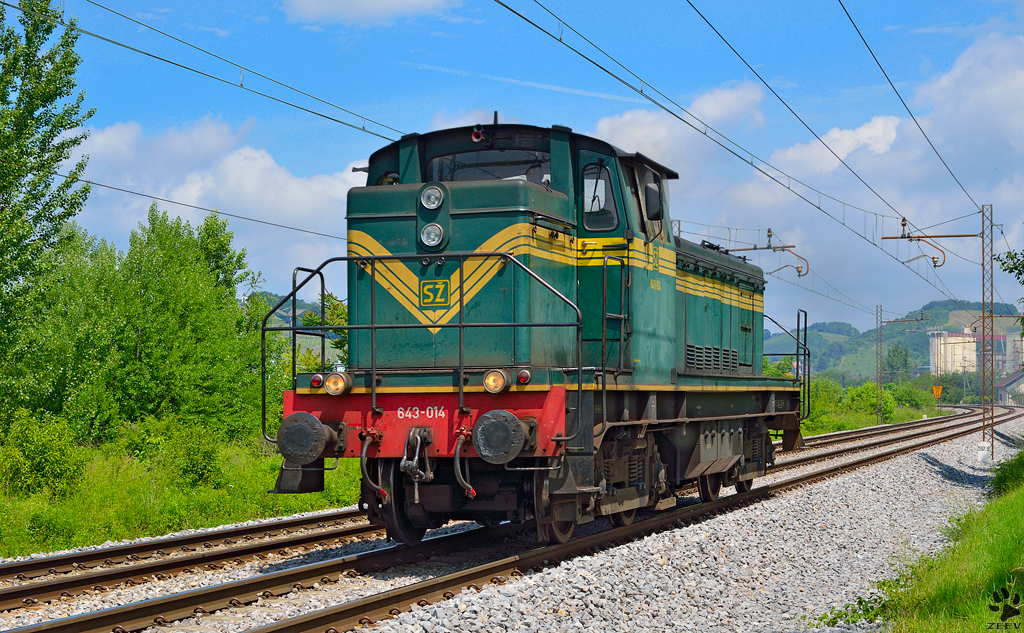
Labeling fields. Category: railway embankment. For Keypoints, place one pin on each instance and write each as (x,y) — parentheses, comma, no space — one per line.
(975,583)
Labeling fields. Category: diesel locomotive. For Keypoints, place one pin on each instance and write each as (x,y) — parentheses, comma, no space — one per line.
(528,341)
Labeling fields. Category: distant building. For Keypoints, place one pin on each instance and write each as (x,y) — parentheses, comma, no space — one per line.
(957,352)
(1010,390)
(953,352)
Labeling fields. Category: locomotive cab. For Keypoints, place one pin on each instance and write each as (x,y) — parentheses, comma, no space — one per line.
(528,341)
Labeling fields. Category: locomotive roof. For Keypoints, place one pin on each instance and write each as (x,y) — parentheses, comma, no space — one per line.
(670,174)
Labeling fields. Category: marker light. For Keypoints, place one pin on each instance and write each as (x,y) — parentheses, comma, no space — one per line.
(316,381)
(496,380)
(431,197)
(524,377)
(432,234)
(337,383)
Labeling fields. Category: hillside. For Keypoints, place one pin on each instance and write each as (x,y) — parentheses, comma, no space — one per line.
(856,354)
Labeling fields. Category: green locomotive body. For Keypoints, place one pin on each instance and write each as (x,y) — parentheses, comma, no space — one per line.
(528,340)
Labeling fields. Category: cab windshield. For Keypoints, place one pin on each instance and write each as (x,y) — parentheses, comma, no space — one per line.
(492,164)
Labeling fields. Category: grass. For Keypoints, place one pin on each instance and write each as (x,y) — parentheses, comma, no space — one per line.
(953,591)
(849,420)
(122,497)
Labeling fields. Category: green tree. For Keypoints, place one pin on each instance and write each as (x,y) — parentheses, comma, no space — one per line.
(1013,262)
(41,123)
(780,369)
(335,313)
(897,363)
(154,331)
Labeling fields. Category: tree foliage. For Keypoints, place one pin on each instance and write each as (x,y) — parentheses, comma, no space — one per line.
(896,365)
(780,369)
(153,331)
(41,120)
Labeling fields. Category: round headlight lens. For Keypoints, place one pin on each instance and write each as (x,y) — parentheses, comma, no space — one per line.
(496,380)
(432,234)
(337,383)
(432,197)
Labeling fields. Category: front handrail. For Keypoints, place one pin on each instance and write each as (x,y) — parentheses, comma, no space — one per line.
(803,359)
(372,261)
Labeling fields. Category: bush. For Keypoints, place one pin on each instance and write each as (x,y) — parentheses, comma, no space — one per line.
(1009,475)
(192,455)
(864,399)
(40,455)
(826,396)
(906,395)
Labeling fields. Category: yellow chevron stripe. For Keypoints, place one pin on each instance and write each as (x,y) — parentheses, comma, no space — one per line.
(523,239)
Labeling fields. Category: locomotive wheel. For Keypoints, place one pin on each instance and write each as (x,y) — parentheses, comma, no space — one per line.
(744,485)
(709,486)
(624,518)
(560,531)
(556,532)
(399,527)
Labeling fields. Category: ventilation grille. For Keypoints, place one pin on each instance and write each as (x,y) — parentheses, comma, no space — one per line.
(712,359)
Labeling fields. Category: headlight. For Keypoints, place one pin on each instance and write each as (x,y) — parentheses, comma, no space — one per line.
(496,380)
(337,383)
(432,234)
(432,197)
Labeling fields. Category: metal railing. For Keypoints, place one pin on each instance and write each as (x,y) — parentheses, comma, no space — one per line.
(372,263)
(802,356)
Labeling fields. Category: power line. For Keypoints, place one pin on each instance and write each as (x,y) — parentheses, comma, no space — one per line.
(791,111)
(925,228)
(851,303)
(243,68)
(800,119)
(199,72)
(725,143)
(905,106)
(169,201)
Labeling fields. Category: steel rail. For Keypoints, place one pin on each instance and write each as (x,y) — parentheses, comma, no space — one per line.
(347,616)
(160,611)
(807,459)
(32,593)
(63,563)
(811,441)
(141,615)
(838,437)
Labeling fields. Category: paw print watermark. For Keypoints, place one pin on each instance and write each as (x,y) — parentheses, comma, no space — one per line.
(1006,604)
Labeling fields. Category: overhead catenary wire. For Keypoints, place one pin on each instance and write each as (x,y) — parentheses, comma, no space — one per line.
(239,85)
(804,123)
(905,106)
(241,67)
(647,91)
(170,201)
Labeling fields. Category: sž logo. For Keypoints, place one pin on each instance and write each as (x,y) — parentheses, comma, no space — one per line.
(1007,605)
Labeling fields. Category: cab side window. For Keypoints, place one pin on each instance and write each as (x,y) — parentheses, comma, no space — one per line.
(600,213)
(650,185)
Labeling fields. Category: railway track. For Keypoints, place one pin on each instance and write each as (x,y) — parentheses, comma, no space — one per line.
(137,562)
(162,611)
(96,568)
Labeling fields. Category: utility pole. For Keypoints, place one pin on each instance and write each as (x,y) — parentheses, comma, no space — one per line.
(988,367)
(878,364)
(987,310)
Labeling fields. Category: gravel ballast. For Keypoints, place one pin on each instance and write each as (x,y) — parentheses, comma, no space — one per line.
(767,567)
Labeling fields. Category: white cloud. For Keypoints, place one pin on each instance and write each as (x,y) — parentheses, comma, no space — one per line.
(359,11)
(729,104)
(208,164)
(877,135)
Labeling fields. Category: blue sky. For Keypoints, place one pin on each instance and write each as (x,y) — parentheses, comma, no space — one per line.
(418,65)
